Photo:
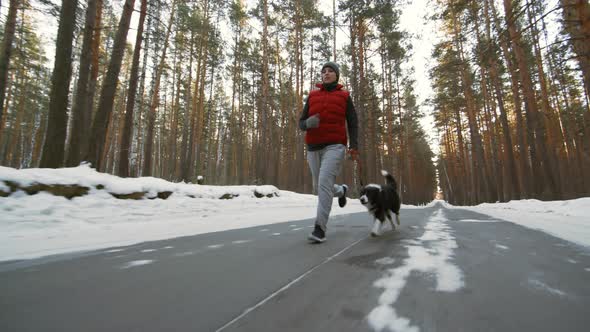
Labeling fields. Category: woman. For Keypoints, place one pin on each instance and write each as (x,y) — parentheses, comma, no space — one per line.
(327,113)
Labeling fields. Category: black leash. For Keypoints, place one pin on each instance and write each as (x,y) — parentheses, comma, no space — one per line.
(359,168)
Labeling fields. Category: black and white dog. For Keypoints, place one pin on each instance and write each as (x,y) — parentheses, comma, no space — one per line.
(382,201)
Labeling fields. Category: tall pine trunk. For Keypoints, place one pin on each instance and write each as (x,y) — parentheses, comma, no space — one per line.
(6,52)
(55,139)
(514,188)
(576,16)
(123,167)
(480,176)
(149,140)
(109,89)
(537,123)
(80,113)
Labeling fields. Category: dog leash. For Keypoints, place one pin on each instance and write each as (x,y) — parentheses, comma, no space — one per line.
(359,168)
(360,172)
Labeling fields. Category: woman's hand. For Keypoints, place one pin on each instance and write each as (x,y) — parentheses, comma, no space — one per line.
(312,121)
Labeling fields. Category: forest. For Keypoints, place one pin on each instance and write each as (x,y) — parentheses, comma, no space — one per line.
(178,89)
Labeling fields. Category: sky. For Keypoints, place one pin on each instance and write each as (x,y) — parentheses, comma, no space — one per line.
(41,225)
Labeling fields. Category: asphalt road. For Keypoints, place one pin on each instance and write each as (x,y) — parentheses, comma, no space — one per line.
(269,278)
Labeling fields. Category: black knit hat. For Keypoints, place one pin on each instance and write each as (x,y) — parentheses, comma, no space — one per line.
(334,66)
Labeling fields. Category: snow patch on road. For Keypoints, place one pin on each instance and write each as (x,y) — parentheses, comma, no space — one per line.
(499,246)
(479,220)
(241,241)
(537,284)
(385,261)
(113,250)
(137,263)
(434,259)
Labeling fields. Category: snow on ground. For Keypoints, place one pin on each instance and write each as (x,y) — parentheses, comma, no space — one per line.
(43,224)
(431,253)
(569,220)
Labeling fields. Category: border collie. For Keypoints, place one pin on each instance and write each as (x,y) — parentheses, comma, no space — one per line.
(382,201)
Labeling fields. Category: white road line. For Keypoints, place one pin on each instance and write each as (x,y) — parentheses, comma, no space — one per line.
(259,304)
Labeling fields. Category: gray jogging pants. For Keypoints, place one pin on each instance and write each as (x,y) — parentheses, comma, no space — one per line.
(325,165)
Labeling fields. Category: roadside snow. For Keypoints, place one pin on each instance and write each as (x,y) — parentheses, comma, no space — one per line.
(569,220)
(43,224)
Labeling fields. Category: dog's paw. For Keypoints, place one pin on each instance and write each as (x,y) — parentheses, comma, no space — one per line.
(376,231)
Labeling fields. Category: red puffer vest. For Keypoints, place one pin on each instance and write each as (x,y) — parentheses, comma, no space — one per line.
(331,107)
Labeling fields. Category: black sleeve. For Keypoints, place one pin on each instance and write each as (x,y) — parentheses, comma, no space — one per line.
(352,123)
(304,116)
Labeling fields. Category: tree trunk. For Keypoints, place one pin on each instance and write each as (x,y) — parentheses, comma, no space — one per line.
(576,16)
(147,165)
(537,122)
(525,167)
(482,183)
(185,145)
(109,89)
(514,188)
(123,168)
(172,138)
(80,113)
(53,149)
(12,155)
(9,31)
(261,165)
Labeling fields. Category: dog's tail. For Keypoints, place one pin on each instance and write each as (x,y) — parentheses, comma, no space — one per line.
(389,178)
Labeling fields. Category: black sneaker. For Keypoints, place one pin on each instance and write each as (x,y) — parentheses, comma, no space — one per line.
(318,235)
(342,200)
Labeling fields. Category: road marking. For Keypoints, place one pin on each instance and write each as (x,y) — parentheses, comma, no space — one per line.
(282,289)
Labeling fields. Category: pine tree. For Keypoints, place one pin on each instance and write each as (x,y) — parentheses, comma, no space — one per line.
(53,148)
